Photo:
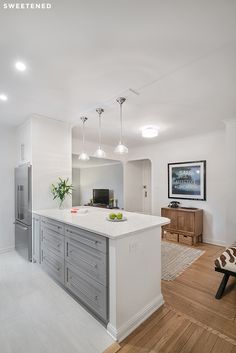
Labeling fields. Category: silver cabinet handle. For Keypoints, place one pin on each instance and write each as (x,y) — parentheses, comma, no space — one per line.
(89,240)
(52,224)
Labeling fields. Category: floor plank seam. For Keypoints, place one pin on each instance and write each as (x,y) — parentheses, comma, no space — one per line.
(202,306)
(206,327)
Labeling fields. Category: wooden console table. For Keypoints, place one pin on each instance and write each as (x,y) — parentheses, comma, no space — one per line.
(186,225)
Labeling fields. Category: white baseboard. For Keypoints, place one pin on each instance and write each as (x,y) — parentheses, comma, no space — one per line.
(214,241)
(120,333)
(4,250)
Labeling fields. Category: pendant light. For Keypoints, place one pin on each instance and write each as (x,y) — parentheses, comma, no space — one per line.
(83,156)
(100,153)
(121,148)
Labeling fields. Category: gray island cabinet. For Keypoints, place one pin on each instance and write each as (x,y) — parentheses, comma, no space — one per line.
(77,259)
(113,269)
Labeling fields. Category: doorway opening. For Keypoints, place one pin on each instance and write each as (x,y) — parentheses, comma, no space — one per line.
(138,186)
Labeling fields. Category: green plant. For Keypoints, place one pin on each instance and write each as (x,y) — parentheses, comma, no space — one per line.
(61,190)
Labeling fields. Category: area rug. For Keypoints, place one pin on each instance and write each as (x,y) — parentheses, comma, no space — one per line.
(176,258)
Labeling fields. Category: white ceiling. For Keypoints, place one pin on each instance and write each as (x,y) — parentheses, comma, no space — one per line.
(93,162)
(178,54)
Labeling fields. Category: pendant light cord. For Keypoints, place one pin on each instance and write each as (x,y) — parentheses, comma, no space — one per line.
(100,131)
(83,135)
(84,119)
(121,125)
(121,100)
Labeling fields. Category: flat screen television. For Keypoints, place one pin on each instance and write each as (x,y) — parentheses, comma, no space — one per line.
(101,196)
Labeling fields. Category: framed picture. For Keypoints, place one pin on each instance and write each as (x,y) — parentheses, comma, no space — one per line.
(187,180)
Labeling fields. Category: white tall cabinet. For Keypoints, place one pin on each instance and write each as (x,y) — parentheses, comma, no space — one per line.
(46,145)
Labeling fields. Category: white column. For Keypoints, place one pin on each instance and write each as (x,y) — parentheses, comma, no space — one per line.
(230,175)
(134,280)
(51,159)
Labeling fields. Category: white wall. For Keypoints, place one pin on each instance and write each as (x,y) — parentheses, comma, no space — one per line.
(209,147)
(103,177)
(76,185)
(7,199)
(230,179)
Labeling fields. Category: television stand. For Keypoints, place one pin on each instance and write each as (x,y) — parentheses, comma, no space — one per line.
(102,206)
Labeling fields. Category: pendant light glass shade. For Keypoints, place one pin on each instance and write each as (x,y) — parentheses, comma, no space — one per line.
(121,148)
(83,156)
(100,153)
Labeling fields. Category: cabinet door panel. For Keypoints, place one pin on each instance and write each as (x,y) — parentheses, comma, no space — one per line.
(53,225)
(172,215)
(87,259)
(186,222)
(90,292)
(53,241)
(90,239)
(53,264)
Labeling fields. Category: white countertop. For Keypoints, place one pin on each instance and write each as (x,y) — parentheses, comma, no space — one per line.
(95,221)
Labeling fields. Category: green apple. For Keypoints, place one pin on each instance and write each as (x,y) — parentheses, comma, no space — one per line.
(112,215)
(119,215)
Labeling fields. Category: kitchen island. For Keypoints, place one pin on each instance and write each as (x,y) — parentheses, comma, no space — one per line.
(113,268)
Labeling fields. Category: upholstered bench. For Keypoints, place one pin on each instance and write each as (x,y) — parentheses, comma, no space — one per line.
(226,264)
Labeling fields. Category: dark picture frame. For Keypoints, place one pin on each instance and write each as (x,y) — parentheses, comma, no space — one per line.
(187,180)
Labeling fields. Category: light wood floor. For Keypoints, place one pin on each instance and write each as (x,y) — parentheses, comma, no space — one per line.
(191,320)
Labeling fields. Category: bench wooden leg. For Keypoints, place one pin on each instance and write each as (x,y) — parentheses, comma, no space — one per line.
(222,286)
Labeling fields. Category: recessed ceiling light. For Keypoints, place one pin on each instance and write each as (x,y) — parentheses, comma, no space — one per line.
(149,131)
(3,97)
(20,66)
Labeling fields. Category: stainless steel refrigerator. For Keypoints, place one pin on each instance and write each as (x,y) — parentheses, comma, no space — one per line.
(23,211)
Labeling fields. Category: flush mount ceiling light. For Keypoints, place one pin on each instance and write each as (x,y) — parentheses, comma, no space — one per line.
(83,155)
(121,148)
(149,132)
(3,97)
(20,66)
(100,153)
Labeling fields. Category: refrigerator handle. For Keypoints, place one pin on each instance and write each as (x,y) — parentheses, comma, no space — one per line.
(19,225)
(30,187)
(18,201)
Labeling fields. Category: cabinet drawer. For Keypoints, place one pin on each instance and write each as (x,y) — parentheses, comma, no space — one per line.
(53,241)
(90,239)
(90,261)
(53,264)
(53,225)
(186,239)
(172,236)
(90,292)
